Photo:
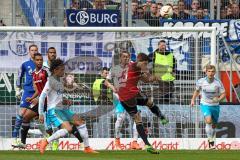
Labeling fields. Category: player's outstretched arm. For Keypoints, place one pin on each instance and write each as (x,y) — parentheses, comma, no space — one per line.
(195,94)
(109,85)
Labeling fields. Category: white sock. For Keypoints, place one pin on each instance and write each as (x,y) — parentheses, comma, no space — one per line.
(214,134)
(84,134)
(118,124)
(135,132)
(209,131)
(58,134)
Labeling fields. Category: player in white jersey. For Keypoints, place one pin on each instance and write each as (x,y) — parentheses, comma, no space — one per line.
(212,92)
(119,109)
(58,111)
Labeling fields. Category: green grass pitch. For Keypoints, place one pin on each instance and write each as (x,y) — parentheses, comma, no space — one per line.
(121,155)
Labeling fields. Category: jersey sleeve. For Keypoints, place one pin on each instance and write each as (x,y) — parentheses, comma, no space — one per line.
(109,76)
(221,87)
(199,85)
(21,72)
(42,98)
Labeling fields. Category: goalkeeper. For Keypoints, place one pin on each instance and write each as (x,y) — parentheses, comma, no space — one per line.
(212,92)
(26,71)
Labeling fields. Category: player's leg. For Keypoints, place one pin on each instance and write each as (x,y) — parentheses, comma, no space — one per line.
(142,100)
(82,129)
(215,115)
(209,123)
(118,124)
(57,122)
(131,108)
(134,144)
(19,118)
(27,117)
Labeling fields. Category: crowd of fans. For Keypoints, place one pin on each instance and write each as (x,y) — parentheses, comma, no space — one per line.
(149,10)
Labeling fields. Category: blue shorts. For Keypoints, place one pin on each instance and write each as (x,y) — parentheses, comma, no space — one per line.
(24,103)
(65,114)
(118,106)
(212,111)
(53,118)
(47,123)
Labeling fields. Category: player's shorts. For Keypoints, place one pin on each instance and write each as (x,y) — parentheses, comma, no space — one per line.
(33,108)
(65,114)
(47,122)
(118,106)
(131,105)
(53,118)
(212,111)
(24,103)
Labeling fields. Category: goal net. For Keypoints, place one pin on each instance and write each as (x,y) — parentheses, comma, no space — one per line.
(86,50)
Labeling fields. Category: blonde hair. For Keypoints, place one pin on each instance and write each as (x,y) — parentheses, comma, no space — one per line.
(209,66)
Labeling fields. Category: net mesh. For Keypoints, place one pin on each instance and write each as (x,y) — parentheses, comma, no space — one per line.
(85,53)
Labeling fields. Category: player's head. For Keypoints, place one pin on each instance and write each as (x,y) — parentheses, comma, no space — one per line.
(32,50)
(38,60)
(124,57)
(69,79)
(162,45)
(104,72)
(142,60)
(210,71)
(51,53)
(57,68)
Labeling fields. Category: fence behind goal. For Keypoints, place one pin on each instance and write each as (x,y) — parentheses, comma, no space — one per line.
(86,51)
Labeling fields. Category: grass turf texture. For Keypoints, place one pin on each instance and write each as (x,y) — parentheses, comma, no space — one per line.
(121,155)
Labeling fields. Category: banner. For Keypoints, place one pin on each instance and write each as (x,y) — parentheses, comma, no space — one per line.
(34,11)
(108,144)
(96,47)
(93,18)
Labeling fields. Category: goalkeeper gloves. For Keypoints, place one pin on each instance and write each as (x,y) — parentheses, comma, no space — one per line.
(18,93)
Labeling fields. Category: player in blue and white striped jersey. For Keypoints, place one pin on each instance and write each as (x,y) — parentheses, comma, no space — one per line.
(212,92)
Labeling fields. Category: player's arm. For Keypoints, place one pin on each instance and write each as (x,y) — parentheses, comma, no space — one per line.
(222,95)
(42,101)
(21,72)
(195,95)
(109,85)
(29,99)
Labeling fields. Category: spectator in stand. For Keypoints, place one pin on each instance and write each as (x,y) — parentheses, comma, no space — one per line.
(175,9)
(148,5)
(152,17)
(182,13)
(75,4)
(159,6)
(134,9)
(2,23)
(235,14)
(99,4)
(194,7)
(229,11)
(206,14)
(81,4)
(223,13)
(140,13)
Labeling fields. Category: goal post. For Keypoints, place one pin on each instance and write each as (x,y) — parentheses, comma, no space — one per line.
(87,49)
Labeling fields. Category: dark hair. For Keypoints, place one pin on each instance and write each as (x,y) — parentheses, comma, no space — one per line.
(50,48)
(37,54)
(105,69)
(56,63)
(32,45)
(161,41)
(142,57)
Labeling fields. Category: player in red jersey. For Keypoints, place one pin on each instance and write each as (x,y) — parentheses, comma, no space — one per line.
(127,79)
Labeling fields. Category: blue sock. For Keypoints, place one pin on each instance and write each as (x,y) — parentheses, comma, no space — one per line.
(17,126)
